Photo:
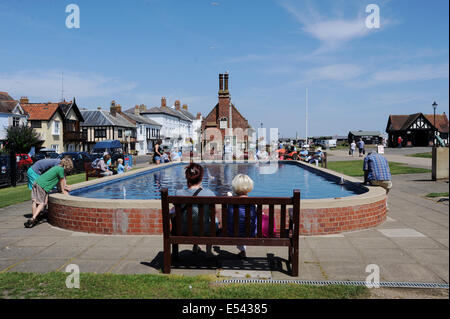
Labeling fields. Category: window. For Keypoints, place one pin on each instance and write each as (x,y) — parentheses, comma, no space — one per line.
(56,128)
(100,132)
(16,121)
(119,133)
(142,127)
(36,124)
(55,147)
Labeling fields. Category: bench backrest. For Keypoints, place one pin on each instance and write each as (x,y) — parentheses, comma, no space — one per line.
(235,202)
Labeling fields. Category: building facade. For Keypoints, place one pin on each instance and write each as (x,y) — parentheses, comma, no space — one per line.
(147,130)
(100,125)
(417,129)
(11,114)
(225,124)
(57,124)
(176,127)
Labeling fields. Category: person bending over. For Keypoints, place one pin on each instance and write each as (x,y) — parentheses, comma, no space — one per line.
(44,184)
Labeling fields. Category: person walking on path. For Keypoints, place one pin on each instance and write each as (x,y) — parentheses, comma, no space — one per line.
(352,148)
(361,149)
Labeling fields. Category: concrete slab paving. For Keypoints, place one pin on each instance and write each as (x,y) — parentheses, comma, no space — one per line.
(39,265)
(412,245)
(386,255)
(404,272)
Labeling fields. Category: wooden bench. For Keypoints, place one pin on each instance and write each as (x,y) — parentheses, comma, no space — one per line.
(91,172)
(287,236)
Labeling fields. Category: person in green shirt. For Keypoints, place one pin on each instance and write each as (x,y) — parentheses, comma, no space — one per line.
(44,184)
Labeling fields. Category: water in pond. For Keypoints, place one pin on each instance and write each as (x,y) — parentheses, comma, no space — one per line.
(218,178)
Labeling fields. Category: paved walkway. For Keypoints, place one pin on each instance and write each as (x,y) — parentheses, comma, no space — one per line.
(412,245)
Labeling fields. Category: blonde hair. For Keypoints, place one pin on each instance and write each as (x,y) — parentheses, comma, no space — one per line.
(120,160)
(242,184)
(67,164)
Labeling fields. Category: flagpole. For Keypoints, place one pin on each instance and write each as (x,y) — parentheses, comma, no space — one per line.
(306,117)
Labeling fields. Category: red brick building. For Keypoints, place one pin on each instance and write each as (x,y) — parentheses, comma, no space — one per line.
(222,117)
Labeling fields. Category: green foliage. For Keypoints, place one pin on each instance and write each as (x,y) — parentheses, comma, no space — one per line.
(23,137)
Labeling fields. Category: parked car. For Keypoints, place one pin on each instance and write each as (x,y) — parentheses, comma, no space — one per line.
(113,147)
(43,153)
(5,172)
(24,161)
(78,159)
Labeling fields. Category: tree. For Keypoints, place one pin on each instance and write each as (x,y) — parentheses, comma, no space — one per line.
(23,137)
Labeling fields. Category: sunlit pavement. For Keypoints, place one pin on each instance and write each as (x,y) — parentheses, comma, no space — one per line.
(412,246)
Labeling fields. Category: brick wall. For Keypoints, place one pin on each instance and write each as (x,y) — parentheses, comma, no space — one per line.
(149,221)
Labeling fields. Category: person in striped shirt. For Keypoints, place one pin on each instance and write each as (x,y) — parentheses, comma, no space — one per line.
(376,171)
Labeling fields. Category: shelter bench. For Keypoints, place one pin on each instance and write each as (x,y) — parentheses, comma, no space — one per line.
(91,172)
(287,236)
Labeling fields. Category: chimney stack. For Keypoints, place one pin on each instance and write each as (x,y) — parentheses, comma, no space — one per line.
(115,108)
(24,100)
(136,110)
(226,82)
(177,105)
(220,83)
(163,102)
(142,108)
(185,107)
(199,116)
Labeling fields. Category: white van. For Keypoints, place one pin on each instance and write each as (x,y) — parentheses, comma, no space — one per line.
(328,143)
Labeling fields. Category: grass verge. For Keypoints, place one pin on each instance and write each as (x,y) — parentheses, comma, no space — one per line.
(354,168)
(52,285)
(433,195)
(21,193)
(423,155)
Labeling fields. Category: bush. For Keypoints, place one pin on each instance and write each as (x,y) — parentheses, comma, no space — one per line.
(22,137)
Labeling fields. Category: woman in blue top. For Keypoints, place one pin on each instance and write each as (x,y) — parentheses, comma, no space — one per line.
(242,185)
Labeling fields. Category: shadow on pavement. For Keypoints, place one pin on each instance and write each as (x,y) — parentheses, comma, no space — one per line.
(224,260)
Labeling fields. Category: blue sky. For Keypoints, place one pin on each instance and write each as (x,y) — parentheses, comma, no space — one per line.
(135,52)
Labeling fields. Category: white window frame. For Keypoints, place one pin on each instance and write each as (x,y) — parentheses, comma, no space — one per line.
(56,128)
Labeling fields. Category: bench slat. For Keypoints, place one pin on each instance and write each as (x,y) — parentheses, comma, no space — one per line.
(230,241)
(178,219)
(230,200)
(247,221)
(283,221)
(224,220)
(236,220)
(189,219)
(271,217)
(259,220)
(201,214)
(212,232)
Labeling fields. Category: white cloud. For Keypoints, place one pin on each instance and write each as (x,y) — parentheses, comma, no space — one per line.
(331,32)
(335,72)
(411,73)
(45,85)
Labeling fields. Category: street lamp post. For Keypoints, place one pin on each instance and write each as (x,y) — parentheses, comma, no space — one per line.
(434,105)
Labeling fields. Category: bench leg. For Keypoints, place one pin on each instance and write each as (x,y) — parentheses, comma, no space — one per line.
(294,261)
(167,258)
